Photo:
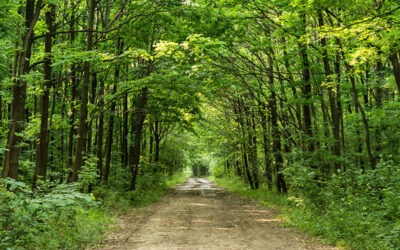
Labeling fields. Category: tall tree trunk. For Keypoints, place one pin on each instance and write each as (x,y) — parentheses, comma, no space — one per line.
(100,128)
(125,131)
(249,178)
(89,124)
(22,63)
(338,99)
(82,131)
(267,158)
(72,111)
(151,142)
(245,126)
(42,146)
(276,133)
(71,122)
(335,114)
(396,68)
(252,142)
(372,159)
(110,130)
(306,89)
(137,129)
(109,139)
(292,86)
(157,140)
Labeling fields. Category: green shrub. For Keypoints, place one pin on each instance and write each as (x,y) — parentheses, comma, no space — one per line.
(352,209)
(360,210)
(149,188)
(262,195)
(49,218)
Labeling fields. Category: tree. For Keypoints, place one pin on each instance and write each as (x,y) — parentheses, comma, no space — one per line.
(43,139)
(82,130)
(21,68)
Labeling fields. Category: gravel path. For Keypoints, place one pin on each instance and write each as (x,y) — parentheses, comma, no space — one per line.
(200,215)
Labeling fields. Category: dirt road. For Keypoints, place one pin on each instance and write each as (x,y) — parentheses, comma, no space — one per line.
(200,215)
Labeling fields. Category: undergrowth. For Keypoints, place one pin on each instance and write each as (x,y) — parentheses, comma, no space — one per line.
(48,218)
(62,217)
(150,188)
(261,195)
(354,210)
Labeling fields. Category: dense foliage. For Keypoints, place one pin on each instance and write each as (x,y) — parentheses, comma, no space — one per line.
(44,219)
(118,97)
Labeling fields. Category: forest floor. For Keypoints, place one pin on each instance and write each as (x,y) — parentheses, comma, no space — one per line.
(200,215)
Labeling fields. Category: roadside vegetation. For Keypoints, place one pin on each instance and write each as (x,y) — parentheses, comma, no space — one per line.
(103,102)
(353,214)
(64,217)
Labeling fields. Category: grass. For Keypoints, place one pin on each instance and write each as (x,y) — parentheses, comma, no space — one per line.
(346,227)
(262,195)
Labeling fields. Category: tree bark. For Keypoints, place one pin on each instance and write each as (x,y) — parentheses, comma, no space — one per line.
(252,142)
(110,130)
(335,114)
(72,111)
(82,130)
(42,146)
(125,131)
(307,94)
(276,133)
(267,158)
(22,63)
(100,130)
(396,69)
(157,140)
(109,139)
(137,129)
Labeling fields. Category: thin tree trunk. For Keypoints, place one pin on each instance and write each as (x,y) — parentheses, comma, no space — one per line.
(82,131)
(71,122)
(42,146)
(246,140)
(89,124)
(137,125)
(110,130)
(109,140)
(267,158)
(72,111)
(307,92)
(306,89)
(396,69)
(276,133)
(22,63)
(124,139)
(332,100)
(372,159)
(151,142)
(157,140)
(293,88)
(99,144)
(252,139)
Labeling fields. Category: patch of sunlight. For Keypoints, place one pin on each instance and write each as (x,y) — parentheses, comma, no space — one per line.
(268,220)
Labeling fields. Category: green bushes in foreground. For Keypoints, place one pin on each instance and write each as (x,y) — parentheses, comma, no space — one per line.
(49,218)
(351,209)
(354,209)
(150,189)
(61,217)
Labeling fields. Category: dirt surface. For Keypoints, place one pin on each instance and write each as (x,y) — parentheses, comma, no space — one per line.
(200,215)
